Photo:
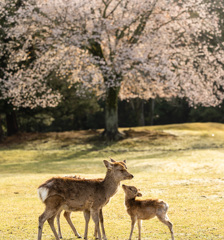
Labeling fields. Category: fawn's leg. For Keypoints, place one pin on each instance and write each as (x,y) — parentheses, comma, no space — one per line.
(58,223)
(133,221)
(165,219)
(87,218)
(67,217)
(139,228)
(95,216)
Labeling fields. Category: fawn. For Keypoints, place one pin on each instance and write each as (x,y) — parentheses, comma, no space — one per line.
(144,209)
(88,195)
(67,214)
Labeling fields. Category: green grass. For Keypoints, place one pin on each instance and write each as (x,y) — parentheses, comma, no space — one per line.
(181,164)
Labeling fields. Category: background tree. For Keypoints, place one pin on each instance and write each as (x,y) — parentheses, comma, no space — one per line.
(118,49)
(72,113)
(18,88)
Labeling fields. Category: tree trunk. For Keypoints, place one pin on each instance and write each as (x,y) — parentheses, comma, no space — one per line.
(111,132)
(140,112)
(137,105)
(1,130)
(12,126)
(152,107)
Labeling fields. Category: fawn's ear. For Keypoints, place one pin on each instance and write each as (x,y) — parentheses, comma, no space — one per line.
(112,160)
(107,164)
(139,194)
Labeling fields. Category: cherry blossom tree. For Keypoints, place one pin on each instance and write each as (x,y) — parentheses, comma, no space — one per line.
(119,48)
(22,81)
(23,91)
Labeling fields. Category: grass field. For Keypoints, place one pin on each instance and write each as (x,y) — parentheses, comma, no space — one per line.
(181,164)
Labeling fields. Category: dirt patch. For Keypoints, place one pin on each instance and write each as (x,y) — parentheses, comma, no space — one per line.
(130,133)
(84,136)
(22,138)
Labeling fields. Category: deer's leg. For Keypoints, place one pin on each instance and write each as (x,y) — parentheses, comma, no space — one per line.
(42,218)
(133,221)
(87,218)
(58,223)
(95,216)
(165,219)
(53,205)
(67,217)
(102,226)
(95,233)
(51,223)
(139,228)
(47,215)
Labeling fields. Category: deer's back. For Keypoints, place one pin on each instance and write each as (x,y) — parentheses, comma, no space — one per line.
(72,188)
(78,194)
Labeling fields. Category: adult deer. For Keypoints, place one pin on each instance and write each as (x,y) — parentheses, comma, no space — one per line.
(86,214)
(144,209)
(71,194)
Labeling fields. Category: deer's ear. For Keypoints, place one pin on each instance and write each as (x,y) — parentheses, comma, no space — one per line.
(107,164)
(112,160)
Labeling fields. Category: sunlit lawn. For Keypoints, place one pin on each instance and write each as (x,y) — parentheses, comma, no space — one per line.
(181,164)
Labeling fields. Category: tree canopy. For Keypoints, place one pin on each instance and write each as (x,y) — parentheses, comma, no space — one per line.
(116,48)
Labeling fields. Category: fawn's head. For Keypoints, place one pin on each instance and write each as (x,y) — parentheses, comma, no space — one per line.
(118,169)
(131,191)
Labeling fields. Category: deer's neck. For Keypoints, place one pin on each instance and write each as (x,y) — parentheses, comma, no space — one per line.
(129,202)
(110,184)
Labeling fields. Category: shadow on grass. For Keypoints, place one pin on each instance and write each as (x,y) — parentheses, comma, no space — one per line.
(46,161)
(84,151)
(68,161)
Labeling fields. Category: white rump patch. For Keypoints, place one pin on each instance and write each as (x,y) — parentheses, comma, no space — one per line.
(43,193)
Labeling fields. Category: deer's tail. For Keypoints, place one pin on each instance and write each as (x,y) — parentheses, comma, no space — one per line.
(43,193)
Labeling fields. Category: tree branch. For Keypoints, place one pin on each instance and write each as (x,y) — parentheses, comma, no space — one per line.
(106,6)
(112,11)
(171,20)
(141,26)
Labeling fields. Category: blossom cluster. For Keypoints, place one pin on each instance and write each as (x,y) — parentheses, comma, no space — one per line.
(145,48)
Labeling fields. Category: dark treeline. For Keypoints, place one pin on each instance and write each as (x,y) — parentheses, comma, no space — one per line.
(75,113)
